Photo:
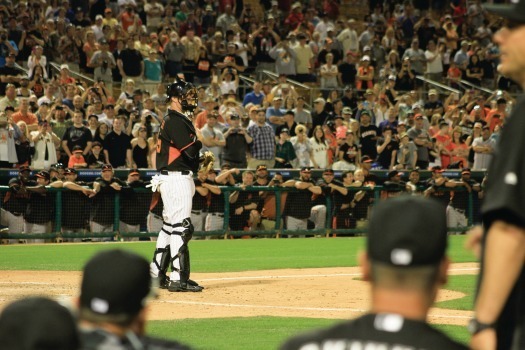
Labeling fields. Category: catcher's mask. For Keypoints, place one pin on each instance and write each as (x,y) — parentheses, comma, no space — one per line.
(185,92)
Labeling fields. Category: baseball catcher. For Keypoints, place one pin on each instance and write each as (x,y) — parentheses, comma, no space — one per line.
(178,157)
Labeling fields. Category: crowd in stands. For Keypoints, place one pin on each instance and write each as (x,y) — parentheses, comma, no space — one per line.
(367,100)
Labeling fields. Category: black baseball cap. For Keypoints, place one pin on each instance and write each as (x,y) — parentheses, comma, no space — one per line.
(306,169)
(70,171)
(107,167)
(514,12)
(465,171)
(328,171)
(415,233)
(24,168)
(115,282)
(44,174)
(38,323)
(226,166)
(134,171)
(393,173)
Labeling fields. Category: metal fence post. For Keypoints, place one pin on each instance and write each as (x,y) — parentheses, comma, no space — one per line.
(117,214)
(58,212)
(226,213)
(278,218)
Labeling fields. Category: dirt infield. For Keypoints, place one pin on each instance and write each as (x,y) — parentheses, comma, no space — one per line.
(334,293)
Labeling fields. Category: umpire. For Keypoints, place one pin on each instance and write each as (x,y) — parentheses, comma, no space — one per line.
(500,306)
(406,264)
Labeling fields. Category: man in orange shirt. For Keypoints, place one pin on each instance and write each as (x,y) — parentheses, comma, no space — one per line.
(497,115)
(209,105)
(24,115)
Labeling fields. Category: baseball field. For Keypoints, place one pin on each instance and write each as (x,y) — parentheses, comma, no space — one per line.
(258,291)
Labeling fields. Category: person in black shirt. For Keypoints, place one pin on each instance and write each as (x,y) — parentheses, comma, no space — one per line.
(348,70)
(369,133)
(299,204)
(437,187)
(349,99)
(40,210)
(77,135)
(387,148)
(406,78)
(246,206)
(405,269)
(75,205)
(14,201)
(215,218)
(199,202)
(333,189)
(103,207)
(457,210)
(134,205)
(500,303)
(130,63)
(117,145)
(237,141)
(177,159)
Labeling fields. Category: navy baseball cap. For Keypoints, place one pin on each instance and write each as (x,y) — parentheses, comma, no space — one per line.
(69,171)
(513,12)
(38,323)
(107,167)
(407,231)
(115,282)
(44,174)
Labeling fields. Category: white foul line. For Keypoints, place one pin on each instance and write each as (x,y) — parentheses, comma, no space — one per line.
(251,306)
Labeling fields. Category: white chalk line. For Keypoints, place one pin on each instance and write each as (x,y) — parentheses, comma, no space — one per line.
(293,308)
(242,278)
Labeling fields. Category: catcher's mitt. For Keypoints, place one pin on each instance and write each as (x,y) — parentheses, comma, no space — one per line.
(206,161)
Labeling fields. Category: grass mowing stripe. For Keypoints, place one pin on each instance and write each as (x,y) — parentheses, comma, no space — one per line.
(252,333)
(212,255)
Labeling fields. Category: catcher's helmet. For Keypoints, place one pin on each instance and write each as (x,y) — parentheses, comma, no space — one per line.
(185,92)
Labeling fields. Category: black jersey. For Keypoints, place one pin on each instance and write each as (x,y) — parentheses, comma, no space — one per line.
(134,205)
(93,339)
(299,203)
(177,146)
(75,208)
(376,331)
(505,201)
(199,201)
(40,208)
(103,207)
(216,200)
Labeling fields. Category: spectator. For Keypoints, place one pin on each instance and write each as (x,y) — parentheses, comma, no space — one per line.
(153,71)
(284,151)
(262,149)
(304,62)
(205,69)
(226,19)
(302,147)
(229,81)
(140,149)
(76,135)
(329,73)
(213,138)
(120,281)
(46,143)
(275,113)
(231,59)
(25,115)
(387,149)
(174,54)
(348,154)
(434,66)
(199,201)
(439,187)
(285,58)
(76,160)
(264,38)
(458,149)
(369,134)
(256,96)
(8,132)
(407,156)
(365,74)
(134,205)
(130,64)
(24,145)
(483,148)
(302,116)
(474,71)
(320,148)
(461,58)
(192,44)
(117,145)
(333,189)
(289,123)
(406,78)
(421,139)
(237,142)
(215,218)
(10,99)
(103,63)
(14,201)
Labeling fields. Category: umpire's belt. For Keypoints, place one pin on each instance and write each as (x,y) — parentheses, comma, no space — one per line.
(217,214)
(183,172)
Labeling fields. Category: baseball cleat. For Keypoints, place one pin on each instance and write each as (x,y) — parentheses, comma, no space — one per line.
(163,281)
(193,283)
(178,286)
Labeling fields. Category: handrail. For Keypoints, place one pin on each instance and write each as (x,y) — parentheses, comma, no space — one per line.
(85,77)
(465,82)
(248,79)
(291,81)
(441,86)
(19,67)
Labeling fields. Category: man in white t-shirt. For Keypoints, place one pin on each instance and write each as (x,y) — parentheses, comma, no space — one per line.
(434,62)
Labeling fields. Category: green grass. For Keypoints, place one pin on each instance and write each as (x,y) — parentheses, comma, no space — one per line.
(252,333)
(237,255)
(461,283)
(212,255)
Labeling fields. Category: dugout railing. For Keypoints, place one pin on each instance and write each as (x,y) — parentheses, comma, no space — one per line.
(464,214)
